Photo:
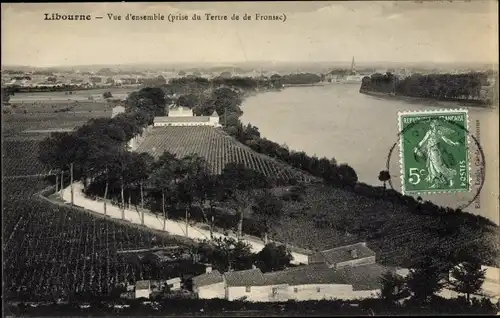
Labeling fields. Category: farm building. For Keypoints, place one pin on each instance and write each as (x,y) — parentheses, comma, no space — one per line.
(182,116)
(336,275)
(142,289)
(209,285)
(348,255)
(308,282)
(174,283)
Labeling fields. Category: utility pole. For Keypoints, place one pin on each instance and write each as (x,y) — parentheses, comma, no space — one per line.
(142,206)
(123,198)
(187,222)
(71,180)
(57,182)
(62,183)
(163,208)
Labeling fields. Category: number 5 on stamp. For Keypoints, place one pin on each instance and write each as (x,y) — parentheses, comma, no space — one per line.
(434,151)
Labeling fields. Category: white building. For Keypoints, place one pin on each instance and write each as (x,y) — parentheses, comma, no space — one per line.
(180,112)
(142,289)
(209,285)
(181,116)
(174,283)
(308,282)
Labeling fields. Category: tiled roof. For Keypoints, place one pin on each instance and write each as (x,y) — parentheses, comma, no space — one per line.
(364,277)
(343,253)
(249,277)
(189,119)
(304,275)
(213,277)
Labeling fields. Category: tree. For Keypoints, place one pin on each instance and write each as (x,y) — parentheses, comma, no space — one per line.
(163,179)
(384,176)
(241,201)
(467,277)
(106,95)
(149,99)
(274,258)
(268,209)
(229,253)
(6,95)
(424,280)
(393,288)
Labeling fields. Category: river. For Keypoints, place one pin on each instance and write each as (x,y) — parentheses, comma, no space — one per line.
(337,121)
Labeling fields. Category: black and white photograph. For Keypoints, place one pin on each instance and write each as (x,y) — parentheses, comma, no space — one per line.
(265,158)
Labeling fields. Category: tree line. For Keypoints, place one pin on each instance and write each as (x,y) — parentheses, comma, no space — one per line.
(98,153)
(460,272)
(445,87)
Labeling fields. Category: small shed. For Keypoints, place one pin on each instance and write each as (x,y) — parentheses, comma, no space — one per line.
(142,289)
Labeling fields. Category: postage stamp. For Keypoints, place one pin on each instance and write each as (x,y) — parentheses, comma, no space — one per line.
(434,151)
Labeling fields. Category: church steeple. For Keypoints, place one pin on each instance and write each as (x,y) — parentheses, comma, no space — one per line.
(353,66)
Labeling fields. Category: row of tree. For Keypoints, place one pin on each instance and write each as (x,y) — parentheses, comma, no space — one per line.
(98,155)
(460,87)
(227,100)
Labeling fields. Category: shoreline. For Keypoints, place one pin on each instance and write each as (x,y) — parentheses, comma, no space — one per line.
(427,101)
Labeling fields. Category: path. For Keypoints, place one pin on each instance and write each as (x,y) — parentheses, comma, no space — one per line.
(156,222)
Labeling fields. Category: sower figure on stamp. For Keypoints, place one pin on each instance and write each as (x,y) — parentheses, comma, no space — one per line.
(429,148)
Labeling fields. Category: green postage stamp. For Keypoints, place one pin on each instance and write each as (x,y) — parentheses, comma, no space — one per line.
(434,151)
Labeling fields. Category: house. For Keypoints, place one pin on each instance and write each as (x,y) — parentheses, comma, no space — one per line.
(181,116)
(310,282)
(174,283)
(180,112)
(250,285)
(142,289)
(209,285)
(348,255)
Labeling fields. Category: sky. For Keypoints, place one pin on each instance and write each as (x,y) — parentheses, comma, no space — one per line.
(372,31)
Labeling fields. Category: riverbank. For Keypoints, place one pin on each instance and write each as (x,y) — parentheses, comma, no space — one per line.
(428,101)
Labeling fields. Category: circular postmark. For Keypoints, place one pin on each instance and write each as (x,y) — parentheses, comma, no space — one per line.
(435,157)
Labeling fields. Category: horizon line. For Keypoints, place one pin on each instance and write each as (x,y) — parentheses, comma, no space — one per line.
(231,64)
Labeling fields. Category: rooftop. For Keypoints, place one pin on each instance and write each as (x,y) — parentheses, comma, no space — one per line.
(364,277)
(303,275)
(249,277)
(193,119)
(213,277)
(344,253)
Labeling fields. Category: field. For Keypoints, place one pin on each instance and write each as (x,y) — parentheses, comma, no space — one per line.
(52,250)
(20,157)
(76,95)
(328,216)
(217,148)
(16,124)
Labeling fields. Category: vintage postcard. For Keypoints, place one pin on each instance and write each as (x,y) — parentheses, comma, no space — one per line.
(250,158)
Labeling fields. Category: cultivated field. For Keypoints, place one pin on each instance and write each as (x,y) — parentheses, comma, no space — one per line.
(61,107)
(16,124)
(217,148)
(328,216)
(51,250)
(19,157)
(76,95)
